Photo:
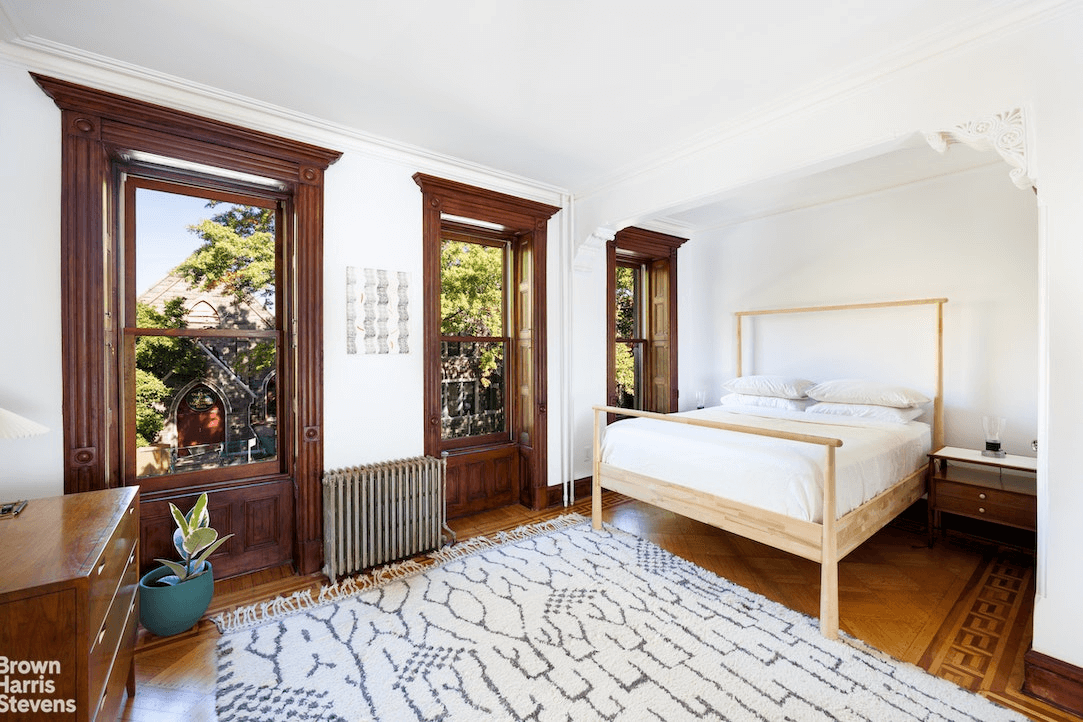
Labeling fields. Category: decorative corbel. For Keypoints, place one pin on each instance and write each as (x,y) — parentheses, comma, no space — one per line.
(1005,132)
(588,252)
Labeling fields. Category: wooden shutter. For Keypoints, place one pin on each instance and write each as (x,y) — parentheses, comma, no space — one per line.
(659,347)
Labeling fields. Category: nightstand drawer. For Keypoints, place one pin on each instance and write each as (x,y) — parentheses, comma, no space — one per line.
(1002,507)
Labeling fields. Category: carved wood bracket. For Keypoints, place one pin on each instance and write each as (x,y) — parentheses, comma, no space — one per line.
(592,248)
(1004,132)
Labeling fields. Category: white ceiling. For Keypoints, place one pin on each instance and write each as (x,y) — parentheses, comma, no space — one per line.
(566,92)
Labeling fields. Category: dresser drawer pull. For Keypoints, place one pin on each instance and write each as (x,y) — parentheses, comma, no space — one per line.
(101,636)
(981,509)
(981,496)
(101,568)
(101,705)
(131,557)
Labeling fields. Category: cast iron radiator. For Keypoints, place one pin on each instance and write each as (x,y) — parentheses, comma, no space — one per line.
(378,513)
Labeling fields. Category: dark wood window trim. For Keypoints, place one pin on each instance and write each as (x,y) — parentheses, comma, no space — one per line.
(523,219)
(97,129)
(652,250)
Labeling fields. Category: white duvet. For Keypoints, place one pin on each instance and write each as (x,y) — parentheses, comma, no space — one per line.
(774,474)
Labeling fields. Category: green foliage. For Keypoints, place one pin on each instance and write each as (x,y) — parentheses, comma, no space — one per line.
(471,289)
(194,539)
(472,299)
(238,253)
(626,288)
(626,372)
(159,359)
(250,363)
(149,393)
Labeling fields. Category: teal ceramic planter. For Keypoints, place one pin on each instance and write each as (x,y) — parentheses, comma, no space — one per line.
(171,610)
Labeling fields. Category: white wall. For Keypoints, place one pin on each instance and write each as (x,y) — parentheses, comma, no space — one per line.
(971,237)
(30,285)
(1035,65)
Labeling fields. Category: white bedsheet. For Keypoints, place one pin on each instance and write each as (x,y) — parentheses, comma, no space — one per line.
(774,474)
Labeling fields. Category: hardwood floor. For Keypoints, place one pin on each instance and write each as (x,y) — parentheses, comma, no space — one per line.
(960,609)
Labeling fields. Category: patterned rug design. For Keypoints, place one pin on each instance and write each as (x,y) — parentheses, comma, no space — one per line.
(560,623)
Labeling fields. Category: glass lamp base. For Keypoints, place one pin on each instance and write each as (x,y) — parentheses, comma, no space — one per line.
(995,454)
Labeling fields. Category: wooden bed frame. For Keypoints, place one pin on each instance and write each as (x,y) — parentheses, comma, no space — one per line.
(827,542)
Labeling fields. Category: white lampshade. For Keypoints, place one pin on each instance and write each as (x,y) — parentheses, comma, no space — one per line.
(13,426)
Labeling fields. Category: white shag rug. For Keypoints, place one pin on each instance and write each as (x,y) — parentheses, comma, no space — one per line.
(559,622)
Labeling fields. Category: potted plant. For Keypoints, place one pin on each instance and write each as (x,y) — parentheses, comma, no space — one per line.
(174,596)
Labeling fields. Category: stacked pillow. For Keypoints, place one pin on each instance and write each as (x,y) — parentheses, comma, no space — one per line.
(840,397)
(866,399)
(775,392)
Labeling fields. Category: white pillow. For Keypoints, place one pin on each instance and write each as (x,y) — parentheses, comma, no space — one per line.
(866,411)
(855,391)
(770,402)
(783,387)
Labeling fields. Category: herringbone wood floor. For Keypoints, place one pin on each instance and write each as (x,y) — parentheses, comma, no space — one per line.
(961,609)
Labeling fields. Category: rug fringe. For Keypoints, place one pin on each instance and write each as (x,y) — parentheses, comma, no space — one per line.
(255,614)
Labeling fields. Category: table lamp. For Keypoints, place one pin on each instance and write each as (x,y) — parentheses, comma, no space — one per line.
(13,426)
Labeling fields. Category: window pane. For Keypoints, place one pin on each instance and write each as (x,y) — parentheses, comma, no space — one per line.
(203,403)
(472,389)
(471,289)
(208,262)
(627,302)
(629,358)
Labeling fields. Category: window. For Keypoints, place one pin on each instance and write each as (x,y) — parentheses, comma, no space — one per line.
(275,517)
(474,341)
(642,320)
(202,330)
(484,343)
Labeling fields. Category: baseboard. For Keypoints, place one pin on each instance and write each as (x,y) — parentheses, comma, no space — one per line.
(556,493)
(1053,681)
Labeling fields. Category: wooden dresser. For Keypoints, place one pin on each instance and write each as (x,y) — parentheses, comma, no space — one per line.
(69,576)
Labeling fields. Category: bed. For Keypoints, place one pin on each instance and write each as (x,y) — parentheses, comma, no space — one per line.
(814,465)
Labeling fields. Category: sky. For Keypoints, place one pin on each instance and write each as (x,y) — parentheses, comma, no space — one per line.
(162,221)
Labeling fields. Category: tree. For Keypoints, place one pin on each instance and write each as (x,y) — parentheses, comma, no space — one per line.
(238,253)
(626,328)
(472,300)
(163,364)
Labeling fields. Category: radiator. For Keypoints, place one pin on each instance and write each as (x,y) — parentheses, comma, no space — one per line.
(379,513)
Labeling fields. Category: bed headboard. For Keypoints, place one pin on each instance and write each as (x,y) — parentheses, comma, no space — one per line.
(938,399)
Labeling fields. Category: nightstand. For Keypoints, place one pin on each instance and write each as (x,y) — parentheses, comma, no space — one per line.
(964,482)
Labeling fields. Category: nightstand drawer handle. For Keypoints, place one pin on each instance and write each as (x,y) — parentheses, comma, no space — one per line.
(981,509)
(101,568)
(101,636)
(981,496)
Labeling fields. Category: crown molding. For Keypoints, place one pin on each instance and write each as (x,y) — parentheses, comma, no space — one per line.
(74,65)
(991,24)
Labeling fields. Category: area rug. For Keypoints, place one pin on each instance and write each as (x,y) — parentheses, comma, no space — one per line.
(560,622)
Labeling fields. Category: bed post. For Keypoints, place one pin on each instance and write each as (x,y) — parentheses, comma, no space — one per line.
(596,481)
(829,562)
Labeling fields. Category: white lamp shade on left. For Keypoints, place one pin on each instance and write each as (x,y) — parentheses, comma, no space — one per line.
(13,426)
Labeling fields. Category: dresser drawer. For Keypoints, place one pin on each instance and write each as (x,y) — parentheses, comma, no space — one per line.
(110,635)
(978,502)
(112,564)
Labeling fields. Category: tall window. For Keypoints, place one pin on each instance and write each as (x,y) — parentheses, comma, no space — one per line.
(484,343)
(642,320)
(128,367)
(202,330)
(474,339)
